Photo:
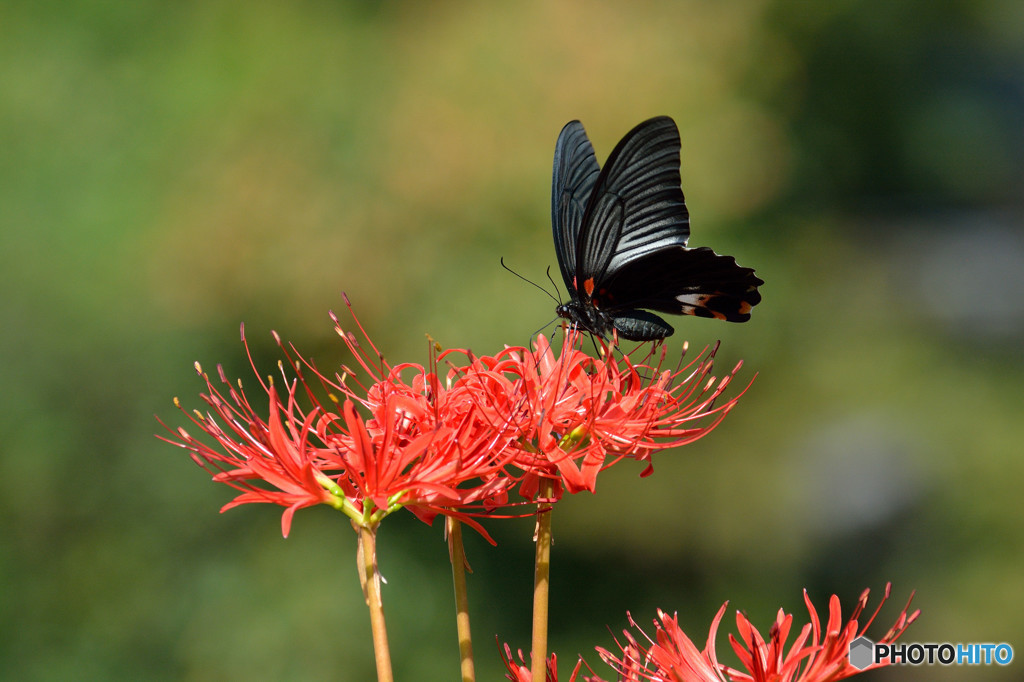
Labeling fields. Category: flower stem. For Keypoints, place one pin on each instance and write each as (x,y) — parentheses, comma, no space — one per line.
(369,577)
(541,584)
(457,553)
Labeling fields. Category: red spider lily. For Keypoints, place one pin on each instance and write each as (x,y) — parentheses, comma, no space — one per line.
(520,672)
(279,450)
(424,447)
(817,659)
(672,658)
(811,658)
(577,414)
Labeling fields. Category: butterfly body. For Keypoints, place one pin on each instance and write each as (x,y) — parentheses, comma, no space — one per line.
(635,325)
(620,236)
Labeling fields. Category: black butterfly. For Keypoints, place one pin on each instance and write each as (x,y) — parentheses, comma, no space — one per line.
(620,237)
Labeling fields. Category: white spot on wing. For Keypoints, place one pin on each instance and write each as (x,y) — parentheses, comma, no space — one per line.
(692,299)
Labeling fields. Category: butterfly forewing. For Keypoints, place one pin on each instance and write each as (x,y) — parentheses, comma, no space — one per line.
(572,184)
(643,172)
(596,249)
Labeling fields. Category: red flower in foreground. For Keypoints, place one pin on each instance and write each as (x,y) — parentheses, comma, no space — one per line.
(431,448)
(577,414)
(814,656)
(276,449)
(406,436)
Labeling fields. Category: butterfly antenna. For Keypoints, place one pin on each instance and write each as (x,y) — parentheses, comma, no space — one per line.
(548,273)
(528,281)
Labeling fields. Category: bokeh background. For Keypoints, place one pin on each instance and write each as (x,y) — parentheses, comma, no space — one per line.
(170,170)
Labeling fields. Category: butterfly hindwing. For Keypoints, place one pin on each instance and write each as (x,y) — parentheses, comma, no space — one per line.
(685,281)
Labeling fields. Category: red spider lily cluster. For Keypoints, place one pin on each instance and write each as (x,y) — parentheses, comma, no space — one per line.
(383,437)
(424,447)
(574,412)
(814,656)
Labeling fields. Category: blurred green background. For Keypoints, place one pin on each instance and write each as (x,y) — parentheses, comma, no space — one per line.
(170,170)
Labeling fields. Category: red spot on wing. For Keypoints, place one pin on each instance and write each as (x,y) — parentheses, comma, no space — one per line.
(588,286)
